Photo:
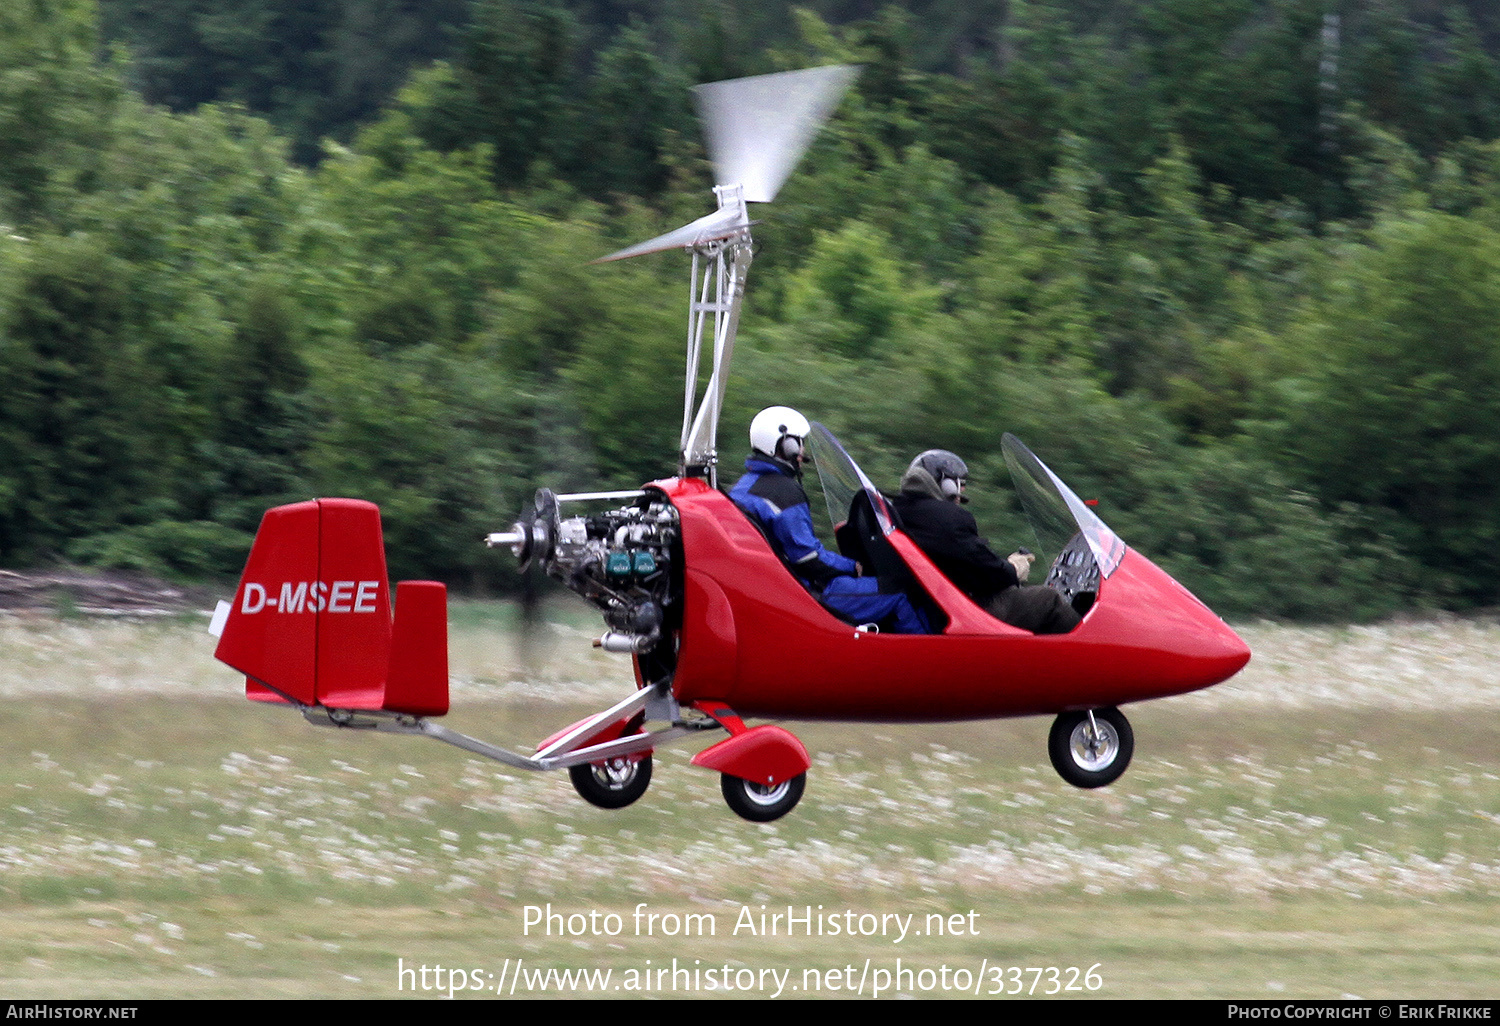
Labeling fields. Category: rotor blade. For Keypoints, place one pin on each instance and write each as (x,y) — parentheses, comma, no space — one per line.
(721,224)
(758,128)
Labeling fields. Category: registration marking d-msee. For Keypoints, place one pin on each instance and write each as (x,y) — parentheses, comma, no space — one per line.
(311,597)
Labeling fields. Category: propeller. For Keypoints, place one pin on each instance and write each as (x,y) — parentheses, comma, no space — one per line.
(531,540)
(757,129)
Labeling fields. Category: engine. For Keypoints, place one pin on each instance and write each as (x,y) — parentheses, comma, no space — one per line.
(621,560)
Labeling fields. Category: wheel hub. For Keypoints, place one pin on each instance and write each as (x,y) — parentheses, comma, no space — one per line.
(765,794)
(615,773)
(1095,749)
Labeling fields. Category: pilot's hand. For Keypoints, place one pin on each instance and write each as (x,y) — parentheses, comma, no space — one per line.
(1022,562)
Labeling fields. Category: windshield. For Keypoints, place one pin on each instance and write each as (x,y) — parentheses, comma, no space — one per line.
(1068,533)
(1057,515)
(842,479)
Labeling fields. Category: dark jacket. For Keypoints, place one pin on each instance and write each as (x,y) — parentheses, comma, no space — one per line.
(949,535)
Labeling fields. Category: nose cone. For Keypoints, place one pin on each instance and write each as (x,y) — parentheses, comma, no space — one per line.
(1176,641)
(1222,652)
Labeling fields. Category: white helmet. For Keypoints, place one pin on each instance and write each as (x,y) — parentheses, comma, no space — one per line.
(779,432)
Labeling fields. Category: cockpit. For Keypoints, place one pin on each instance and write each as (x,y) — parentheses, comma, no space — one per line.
(1077,547)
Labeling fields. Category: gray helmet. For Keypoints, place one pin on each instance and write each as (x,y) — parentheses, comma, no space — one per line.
(950,472)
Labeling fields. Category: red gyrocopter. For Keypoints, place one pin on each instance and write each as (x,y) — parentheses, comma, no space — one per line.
(692,591)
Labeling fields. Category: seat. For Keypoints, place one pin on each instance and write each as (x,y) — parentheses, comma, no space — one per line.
(862,539)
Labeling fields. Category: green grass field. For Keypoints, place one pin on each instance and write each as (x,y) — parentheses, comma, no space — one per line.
(1326,825)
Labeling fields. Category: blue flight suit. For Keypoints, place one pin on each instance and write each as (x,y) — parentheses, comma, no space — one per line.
(771,494)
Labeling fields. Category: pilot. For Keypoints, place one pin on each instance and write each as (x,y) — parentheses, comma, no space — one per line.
(771,493)
(932,490)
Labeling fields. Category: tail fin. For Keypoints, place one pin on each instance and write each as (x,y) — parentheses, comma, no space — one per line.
(417,681)
(311,620)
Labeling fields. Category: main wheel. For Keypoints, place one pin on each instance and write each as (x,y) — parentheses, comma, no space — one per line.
(613,784)
(1086,758)
(761,803)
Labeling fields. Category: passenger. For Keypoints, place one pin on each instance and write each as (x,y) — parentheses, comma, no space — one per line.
(931,516)
(771,493)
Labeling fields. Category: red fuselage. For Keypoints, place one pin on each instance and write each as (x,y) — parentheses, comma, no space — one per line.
(752,637)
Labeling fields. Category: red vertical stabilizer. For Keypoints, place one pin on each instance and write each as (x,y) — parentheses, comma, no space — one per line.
(311,620)
(417,680)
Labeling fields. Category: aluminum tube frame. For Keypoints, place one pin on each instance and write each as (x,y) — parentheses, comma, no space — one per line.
(701,447)
(560,754)
(731,258)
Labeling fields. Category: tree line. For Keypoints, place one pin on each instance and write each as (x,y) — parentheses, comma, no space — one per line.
(1232,269)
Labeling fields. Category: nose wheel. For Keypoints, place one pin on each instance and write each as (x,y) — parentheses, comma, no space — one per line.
(613,784)
(1091,748)
(761,803)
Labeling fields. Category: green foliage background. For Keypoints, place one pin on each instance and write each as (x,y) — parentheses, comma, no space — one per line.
(1233,268)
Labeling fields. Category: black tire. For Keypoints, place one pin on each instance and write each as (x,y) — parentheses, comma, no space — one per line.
(758,802)
(614,784)
(1088,762)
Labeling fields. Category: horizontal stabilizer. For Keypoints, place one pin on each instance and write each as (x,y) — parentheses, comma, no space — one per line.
(311,620)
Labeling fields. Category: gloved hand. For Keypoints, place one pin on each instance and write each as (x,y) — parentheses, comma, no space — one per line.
(1022,562)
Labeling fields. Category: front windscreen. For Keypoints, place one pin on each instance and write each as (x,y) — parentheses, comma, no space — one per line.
(842,479)
(1056,514)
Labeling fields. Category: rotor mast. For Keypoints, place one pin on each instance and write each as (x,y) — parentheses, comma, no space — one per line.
(757,129)
(724,263)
